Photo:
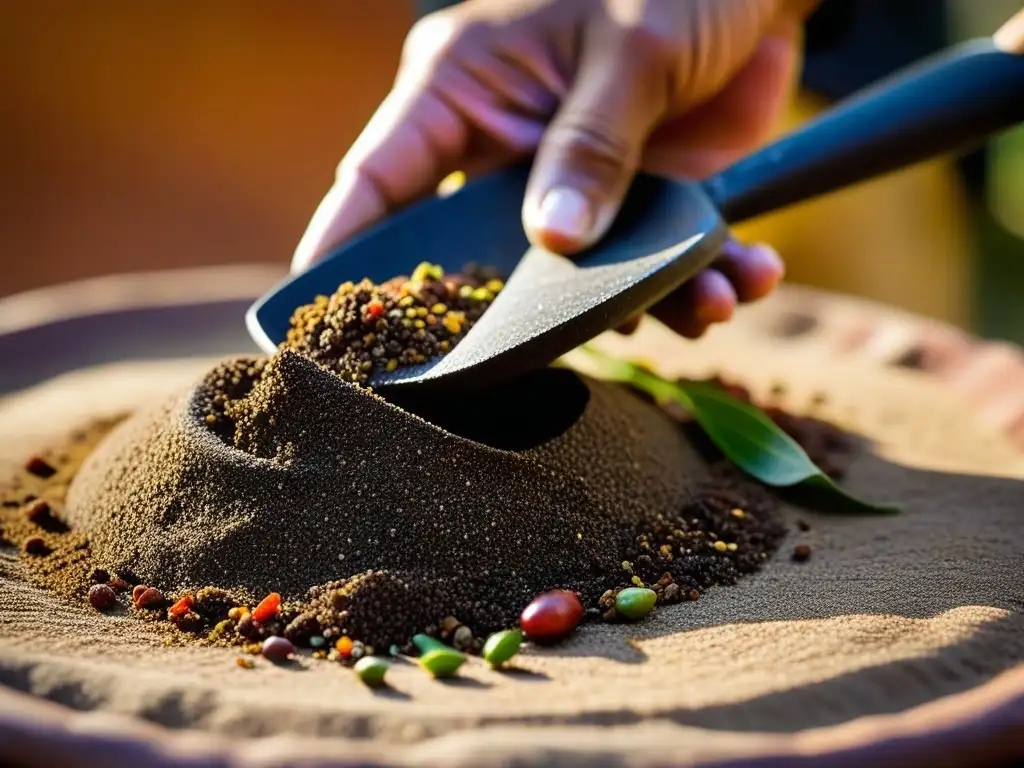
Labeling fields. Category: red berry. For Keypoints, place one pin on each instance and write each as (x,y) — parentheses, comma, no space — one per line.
(102,597)
(267,608)
(551,615)
(152,598)
(181,607)
(375,308)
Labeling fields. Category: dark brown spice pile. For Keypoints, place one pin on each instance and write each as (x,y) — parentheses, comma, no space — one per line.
(278,476)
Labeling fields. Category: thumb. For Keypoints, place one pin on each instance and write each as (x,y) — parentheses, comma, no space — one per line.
(593,146)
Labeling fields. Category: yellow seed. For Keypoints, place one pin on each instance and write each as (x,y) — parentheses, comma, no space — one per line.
(720,546)
(732,547)
(445,346)
(627,566)
(406,322)
(421,311)
(406,302)
(494,286)
(439,309)
(481,294)
(418,324)
(465,291)
(739,513)
(392,364)
(410,312)
(636,581)
(452,324)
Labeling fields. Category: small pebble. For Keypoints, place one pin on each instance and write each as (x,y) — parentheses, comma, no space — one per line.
(102,597)
(463,638)
(803,525)
(277,649)
(36,546)
(801,553)
(671,593)
(635,603)
(371,670)
(551,615)
(502,646)
(118,584)
(317,641)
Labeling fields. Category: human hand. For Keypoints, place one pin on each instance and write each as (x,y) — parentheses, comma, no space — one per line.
(597,89)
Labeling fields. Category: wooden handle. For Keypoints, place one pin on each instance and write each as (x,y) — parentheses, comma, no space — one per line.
(1010,37)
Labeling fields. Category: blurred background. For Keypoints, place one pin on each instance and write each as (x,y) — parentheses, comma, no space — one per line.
(141,136)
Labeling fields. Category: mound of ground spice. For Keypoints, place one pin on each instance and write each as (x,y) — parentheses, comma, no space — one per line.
(390,570)
(373,520)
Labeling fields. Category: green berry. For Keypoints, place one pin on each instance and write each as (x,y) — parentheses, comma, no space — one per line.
(438,659)
(371,670)
(635,602)
(442,662)
(502,646)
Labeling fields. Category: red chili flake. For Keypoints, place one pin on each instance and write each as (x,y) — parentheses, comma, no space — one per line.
(181,607)
(137,592)
(40,467)
(551,615)
(267,608)
(344,646)
(375,308)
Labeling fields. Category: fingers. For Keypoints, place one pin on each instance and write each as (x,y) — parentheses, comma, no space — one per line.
(592,147)
(737,119)
(404,152)
(742,274)
(706,299)
(753,270)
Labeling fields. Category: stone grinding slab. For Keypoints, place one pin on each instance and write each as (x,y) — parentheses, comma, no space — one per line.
(900,642)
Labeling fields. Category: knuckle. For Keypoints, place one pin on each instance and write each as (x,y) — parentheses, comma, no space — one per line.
(440,34)
(593,142)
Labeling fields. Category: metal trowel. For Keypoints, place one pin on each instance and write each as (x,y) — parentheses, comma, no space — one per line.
(667,230)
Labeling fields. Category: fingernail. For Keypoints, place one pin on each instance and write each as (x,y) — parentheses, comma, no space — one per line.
(565,212)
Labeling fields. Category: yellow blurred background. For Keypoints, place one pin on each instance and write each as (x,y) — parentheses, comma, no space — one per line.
(144,135)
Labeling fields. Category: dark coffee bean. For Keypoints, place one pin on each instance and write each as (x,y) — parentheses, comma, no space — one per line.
(40,467)
(801,553)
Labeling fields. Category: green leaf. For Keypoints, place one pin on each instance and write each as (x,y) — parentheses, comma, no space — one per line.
(744,433)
